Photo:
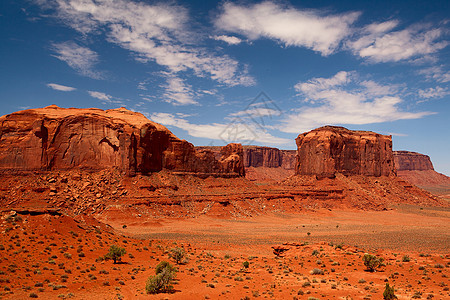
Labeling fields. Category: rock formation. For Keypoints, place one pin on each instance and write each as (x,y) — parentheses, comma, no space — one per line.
(54,138)
(330,149)
(256,156)
(418,170)
(412,161)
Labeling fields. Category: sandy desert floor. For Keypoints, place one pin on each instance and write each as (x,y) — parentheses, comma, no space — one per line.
(57,257)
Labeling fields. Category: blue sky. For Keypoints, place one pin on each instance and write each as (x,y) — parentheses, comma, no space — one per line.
(253,72)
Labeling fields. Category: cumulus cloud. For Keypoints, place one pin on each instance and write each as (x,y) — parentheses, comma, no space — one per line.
(60,87)
(380,42)
(290,26)
(345,99)
(231,40)
(79,58)
(236,130)
(153,32)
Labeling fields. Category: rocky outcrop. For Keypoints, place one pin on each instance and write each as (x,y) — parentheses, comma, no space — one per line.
(329,150)
(288,159)
(412,161)
(54,138)
(256,156)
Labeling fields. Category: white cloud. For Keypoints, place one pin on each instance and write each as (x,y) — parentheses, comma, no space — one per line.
(153,32)
(380,43)
(104,97)
(231,40)
(100,96)
(79,58)
(290,26)
(257,112)
(177,91)
(60,87)
(436,73)
(235,131)
(344,99)
(437,92)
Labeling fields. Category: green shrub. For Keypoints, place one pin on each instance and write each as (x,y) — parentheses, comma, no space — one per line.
(179,255)
(163,280)
(406,258)
(246,264)
(115,253)
(164,265)
(372,262)
(388,293)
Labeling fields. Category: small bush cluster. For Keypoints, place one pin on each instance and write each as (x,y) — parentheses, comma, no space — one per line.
(372,262)
(179,255)
(388,293)
(115,253)
(163,280)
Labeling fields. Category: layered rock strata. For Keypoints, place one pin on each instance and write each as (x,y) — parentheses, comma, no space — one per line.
(329,150)
(412,161)
(54,138)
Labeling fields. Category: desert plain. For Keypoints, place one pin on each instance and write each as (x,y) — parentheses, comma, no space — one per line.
(246,231)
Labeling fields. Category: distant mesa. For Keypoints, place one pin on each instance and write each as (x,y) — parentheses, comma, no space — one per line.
(410,161)
(54,138)
(418,169)
(328,150)
(260,156)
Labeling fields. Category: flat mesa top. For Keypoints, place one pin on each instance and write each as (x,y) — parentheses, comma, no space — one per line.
(118,114)
(341,130)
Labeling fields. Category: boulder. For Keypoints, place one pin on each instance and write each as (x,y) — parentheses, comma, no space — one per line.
(331,149)
(54,138)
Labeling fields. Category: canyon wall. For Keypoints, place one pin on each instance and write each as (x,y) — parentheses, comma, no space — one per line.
(259,156)
(412,161)
(329,150)
(54,138)
(256,156)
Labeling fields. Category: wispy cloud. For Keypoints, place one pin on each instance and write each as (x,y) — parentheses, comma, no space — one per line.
(380,42)
(345,99)
(177,91)
(231,40)
(437,92)
(79,58)
(292,27)
(235,131)
(60,87)
(105,98)
(436,73)
(100,96)
(153,32)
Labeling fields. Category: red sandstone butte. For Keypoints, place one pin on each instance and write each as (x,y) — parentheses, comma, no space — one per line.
(412,161)
(256,156)
(54,138)
(330,149)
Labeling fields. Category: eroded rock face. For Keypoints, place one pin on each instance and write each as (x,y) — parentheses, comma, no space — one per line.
(54,138)
(256,156)
(412,161)
(330,149)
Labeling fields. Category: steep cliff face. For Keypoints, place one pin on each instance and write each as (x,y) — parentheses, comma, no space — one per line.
(255,156)
(412,161)
(330,149)
(54,138)
(288,159)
